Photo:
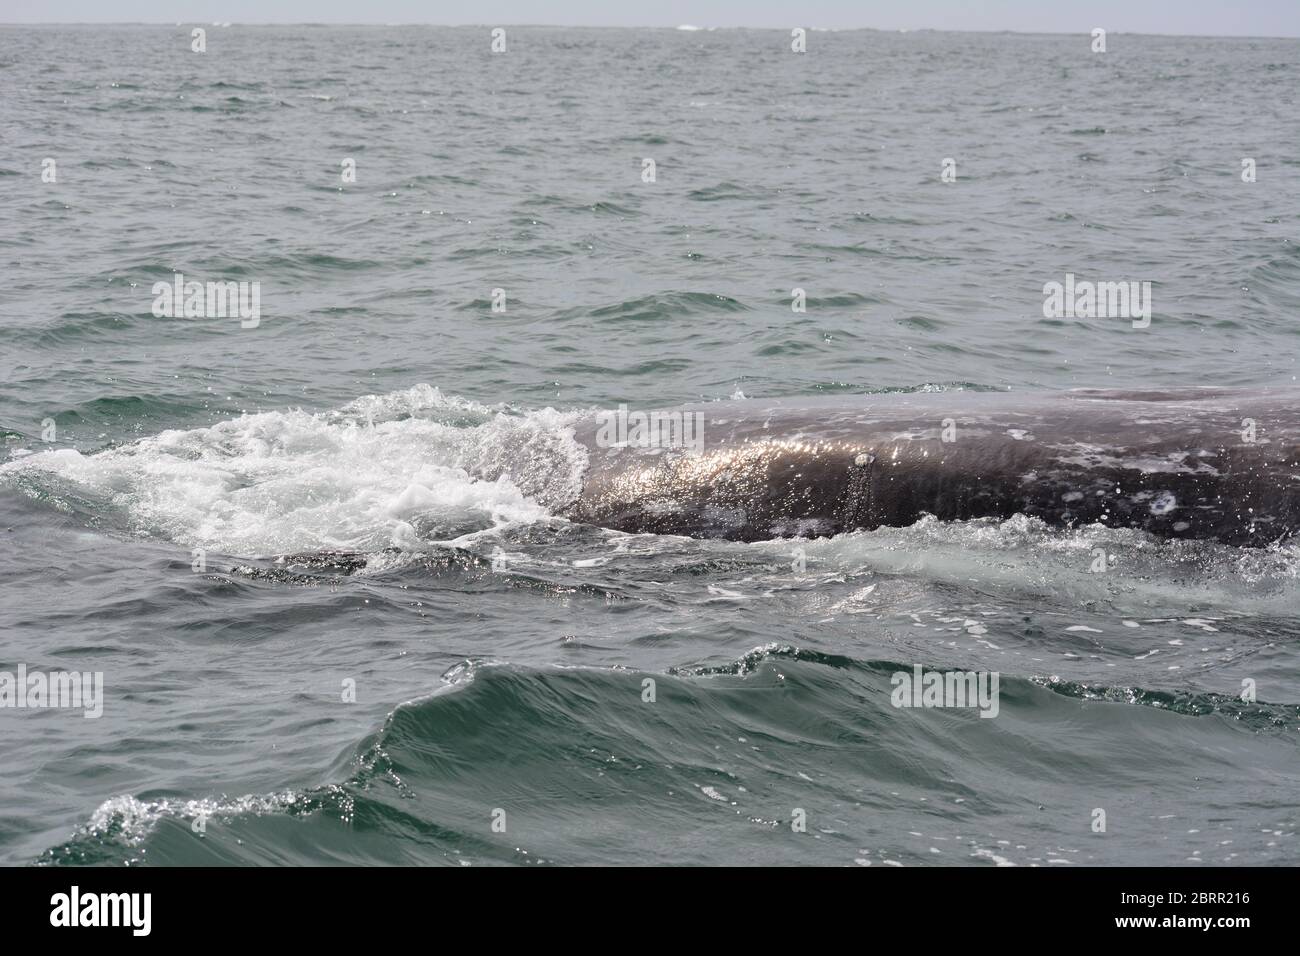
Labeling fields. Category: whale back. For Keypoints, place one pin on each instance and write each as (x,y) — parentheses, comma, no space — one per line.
(1195,463)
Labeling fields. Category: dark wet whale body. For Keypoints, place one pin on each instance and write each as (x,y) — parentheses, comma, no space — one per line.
(1194,463)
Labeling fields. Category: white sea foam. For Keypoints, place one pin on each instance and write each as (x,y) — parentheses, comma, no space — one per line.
(1024,556)
(130,820)
(387,470)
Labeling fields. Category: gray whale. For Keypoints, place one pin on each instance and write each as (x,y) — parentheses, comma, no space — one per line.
(1204,463)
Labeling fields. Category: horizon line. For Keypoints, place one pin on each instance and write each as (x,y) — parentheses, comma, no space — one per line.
(684,28)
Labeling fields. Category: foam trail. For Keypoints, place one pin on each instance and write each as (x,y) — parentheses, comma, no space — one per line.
(395,470)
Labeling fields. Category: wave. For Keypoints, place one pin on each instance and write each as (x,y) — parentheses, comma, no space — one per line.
(506,764)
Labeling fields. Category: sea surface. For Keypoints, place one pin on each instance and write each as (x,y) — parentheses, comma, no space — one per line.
(452,673)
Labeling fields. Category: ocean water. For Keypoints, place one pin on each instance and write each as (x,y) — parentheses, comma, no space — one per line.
(446,671)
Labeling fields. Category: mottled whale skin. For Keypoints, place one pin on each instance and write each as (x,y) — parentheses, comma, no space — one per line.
(1177,464)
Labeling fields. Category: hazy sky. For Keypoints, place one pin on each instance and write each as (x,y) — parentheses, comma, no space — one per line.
(1222,18)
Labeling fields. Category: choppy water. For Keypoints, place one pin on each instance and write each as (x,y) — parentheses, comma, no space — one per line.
(380,378)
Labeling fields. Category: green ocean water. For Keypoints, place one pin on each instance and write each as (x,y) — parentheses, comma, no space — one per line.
(467,684)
